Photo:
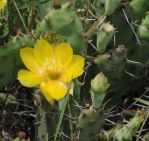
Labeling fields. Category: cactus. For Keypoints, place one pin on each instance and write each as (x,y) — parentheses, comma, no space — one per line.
(90,123)
(120,40)
(104,36)
(114,63)
(124,132)
(110,6)
(10,59)
(129,130)
(42,131)
(139,7)
(99,86)
(143,29)
(70,28)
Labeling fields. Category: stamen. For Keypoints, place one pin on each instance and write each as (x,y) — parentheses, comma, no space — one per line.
(52,67)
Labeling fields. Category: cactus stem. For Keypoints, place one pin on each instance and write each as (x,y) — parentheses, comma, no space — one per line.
(143,124)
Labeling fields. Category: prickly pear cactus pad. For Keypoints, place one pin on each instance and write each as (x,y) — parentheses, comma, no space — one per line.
(74,70)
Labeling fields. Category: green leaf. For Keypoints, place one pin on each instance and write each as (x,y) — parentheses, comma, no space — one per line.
(142,101)
(64,103)
(7,98)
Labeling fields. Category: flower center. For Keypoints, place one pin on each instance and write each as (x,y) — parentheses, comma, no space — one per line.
(54,75)
(52,67)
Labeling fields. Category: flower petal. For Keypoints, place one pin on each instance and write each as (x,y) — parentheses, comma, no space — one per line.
(46,95)
(56,89)
(74,69)
(64,53)
(29,79)
(28,59)
(42,51)
(3,3)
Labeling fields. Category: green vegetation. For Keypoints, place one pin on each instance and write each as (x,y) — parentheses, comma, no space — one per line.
(109,101)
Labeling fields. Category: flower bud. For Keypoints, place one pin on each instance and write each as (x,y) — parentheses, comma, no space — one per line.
(99,84)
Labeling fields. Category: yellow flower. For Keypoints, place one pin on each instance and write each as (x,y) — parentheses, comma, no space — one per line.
(51,67)
(3,4)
